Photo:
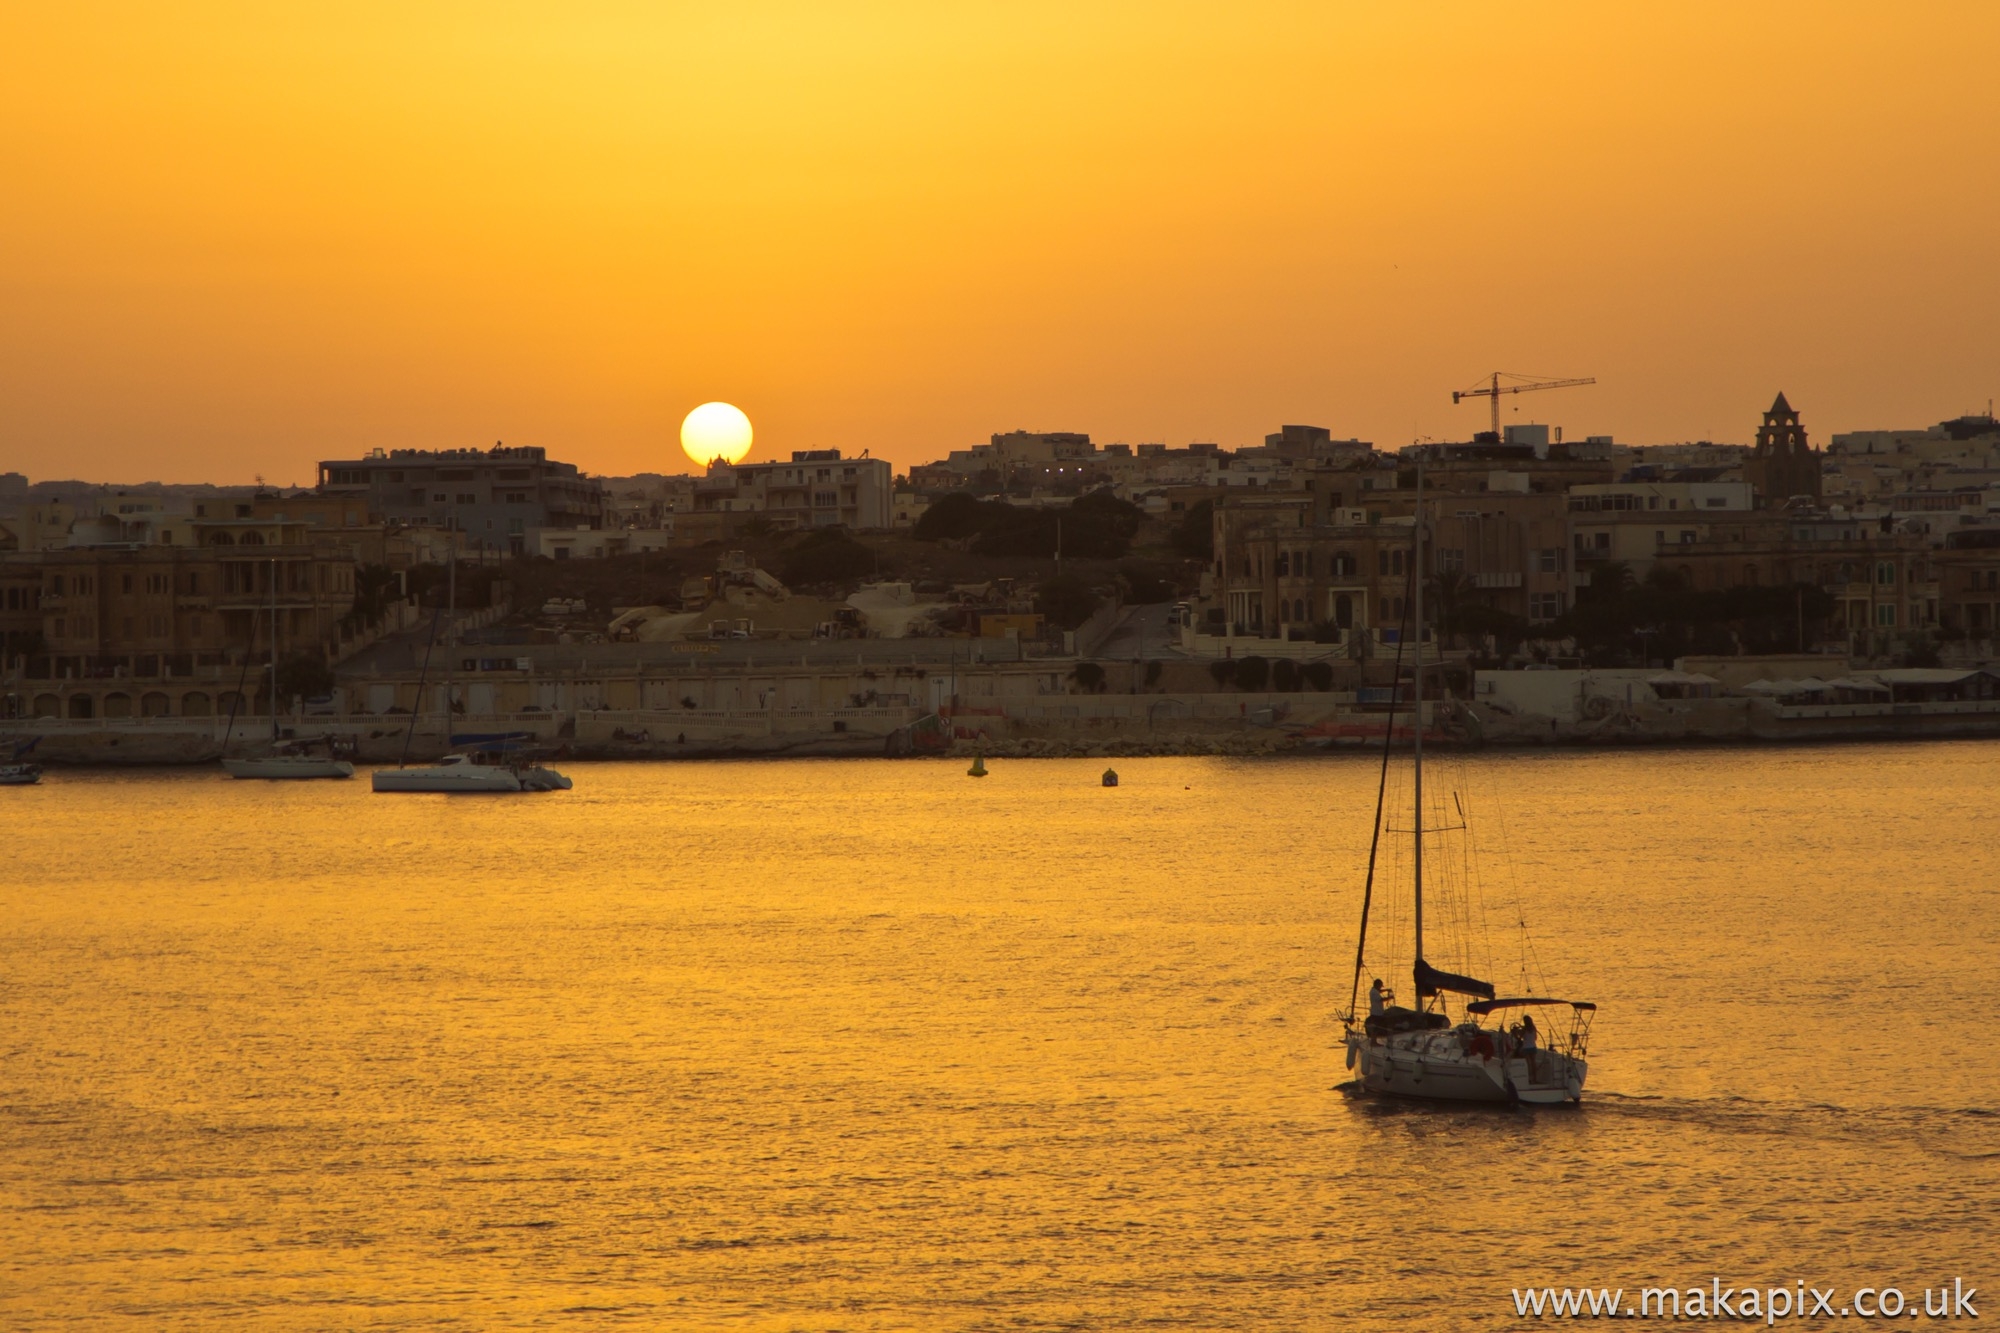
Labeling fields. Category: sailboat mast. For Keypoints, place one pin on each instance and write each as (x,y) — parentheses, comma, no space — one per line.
(274,650)
(1417,679)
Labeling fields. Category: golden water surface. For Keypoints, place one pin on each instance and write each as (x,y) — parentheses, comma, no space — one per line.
(869,1045)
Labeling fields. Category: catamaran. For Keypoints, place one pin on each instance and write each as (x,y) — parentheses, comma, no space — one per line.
(1419,1049)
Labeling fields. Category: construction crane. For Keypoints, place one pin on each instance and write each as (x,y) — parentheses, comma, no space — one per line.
(1527,385)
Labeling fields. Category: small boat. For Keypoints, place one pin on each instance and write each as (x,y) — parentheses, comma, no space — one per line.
(1420,1050)
(17,771)
(295,760)
(465,773)
(1110,777)
(978,769)
(289,766)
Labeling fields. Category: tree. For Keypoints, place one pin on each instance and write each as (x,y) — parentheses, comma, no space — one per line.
(1285,676)
(1451,590)
(304,675)
(1144,587)
(1194,535)
(1252,673)
(1066,601)
(1089,677)
(826,555)
(1319,675)
(953,517)
(376,589)
(1223,669)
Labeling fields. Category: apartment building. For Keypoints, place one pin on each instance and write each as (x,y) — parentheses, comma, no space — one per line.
(497,497)
(157,609)
(817,488)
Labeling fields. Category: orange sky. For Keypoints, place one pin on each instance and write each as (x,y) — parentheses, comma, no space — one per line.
(238,238)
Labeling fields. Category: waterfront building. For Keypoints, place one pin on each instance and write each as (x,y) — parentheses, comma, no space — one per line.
(1332,562)
(154,611)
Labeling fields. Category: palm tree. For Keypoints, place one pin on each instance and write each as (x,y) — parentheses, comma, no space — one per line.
(1451,590)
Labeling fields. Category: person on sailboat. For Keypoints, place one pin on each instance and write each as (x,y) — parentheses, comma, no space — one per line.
(1377,999)
(1528,1033)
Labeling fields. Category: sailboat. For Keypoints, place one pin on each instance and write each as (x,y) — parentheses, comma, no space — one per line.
(1419,1050)
(286,760)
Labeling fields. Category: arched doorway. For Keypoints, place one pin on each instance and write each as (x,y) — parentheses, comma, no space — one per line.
(48,705)
(196,704)
(1343,611)
(117,705)
(79,707)
(154,704)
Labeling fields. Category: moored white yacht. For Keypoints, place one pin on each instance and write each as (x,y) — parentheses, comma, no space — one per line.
(289,766)
(1421,1050)
(464,773)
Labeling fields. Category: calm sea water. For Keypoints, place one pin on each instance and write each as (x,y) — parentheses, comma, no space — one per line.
(861,1045)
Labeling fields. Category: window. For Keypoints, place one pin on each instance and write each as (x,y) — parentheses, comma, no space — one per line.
(1885,615)
(1549,560)
(194,625)
(125,584)
(467,498)
(1284,564)
(1885,572)
(1545,605)
(156,626)
(1687,538)
(1381,562)
(1396,561)
(1450,559)
(438,497)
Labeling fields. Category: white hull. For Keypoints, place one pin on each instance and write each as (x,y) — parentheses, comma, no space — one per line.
(456,773)
(289,766)
(457,778)
(1434,1066)
(19,775)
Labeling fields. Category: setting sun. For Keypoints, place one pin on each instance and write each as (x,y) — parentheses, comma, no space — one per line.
(716,432)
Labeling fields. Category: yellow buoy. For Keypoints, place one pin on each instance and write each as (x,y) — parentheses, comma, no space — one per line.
(978,769)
